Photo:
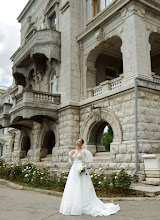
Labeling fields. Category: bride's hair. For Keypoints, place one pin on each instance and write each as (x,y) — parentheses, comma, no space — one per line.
(82,141)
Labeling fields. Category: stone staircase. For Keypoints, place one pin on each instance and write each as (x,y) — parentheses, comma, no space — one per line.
(47,161)
(100,160)
(24,160)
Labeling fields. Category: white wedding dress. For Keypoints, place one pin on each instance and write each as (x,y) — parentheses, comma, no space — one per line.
(79,196)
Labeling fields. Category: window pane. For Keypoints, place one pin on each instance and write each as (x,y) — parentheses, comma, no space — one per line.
(53,82)
(108,2)
(96,7)
(51,91)
(53,21)
(102,4)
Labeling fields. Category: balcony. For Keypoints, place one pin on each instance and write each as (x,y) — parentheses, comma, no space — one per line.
(45,42)
(105,86)
(4,114)
(35,104)
(43,46)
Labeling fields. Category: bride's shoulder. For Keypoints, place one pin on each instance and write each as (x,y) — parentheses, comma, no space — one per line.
(71,152)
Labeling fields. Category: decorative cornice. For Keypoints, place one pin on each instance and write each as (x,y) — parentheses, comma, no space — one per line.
(51,6)
(65,6)
(28,5)
(113,9)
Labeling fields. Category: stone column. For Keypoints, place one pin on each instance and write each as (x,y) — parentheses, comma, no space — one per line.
(69,132)
(135,44)
(35,144)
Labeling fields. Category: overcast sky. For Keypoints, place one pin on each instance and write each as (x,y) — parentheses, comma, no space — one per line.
(9,36)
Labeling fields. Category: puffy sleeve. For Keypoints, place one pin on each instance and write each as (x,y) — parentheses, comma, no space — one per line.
(70,157)
(87,156)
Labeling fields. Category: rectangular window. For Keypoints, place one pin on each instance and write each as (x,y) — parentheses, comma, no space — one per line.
(99,5)
(53,22)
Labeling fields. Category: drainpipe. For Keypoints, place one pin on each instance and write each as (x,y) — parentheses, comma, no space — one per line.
(136,128)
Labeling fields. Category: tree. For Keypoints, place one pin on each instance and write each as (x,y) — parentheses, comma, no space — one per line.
(107,138)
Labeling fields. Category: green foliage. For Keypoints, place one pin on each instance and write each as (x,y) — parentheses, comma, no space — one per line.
(61,181)
(113,182)
(107,138)
(122,180)
(16,171)
(41,178)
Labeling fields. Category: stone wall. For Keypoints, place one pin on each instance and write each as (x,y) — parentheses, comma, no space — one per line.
(68,132)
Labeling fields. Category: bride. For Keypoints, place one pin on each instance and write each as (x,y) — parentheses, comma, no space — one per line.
(79,196)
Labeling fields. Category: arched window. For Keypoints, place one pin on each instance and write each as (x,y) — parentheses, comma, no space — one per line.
(53,82)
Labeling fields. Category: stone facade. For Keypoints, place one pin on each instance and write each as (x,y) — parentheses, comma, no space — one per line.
(98,64)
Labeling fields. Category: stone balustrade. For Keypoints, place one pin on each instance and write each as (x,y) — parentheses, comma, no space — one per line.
(52,98)
(19,98)
(156,78)
(4,114)
(106,86)
(37,96)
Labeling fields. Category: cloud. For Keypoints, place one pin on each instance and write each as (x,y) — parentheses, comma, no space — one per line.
(9,37)
(9,42)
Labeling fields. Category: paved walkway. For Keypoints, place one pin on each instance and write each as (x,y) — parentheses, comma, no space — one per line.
(30,205)
(26,205)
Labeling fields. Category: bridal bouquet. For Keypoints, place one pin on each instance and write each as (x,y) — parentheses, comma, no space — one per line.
(81,169)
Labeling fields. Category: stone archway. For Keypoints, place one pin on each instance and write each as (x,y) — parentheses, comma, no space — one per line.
(154,40)
(94,125)
(95,137)
(104,63)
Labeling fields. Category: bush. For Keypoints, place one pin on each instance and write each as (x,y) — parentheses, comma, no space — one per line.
(30,174)
(114,182)
(16,172)
(122,180)
(61,181)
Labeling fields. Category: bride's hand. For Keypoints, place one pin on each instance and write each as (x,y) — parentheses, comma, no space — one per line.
(72,152)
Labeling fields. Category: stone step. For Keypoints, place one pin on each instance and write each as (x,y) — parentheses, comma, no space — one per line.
(47,158)
(103,154)
(101,160)
(101,157)
(44,164)
(24,160)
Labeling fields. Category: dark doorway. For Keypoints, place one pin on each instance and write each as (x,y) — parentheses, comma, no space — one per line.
(49,141)
(25,147)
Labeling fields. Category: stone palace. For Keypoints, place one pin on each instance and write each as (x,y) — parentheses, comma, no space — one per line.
(83,65)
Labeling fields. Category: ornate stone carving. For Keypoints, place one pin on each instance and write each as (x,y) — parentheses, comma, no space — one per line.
(96,114)
(100,35)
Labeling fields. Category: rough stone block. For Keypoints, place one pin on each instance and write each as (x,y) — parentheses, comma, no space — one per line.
(130,149)
(113,157)
(127,158)
(156,148)
(125,166)
(112,166)
(131,166)
(119,158)
(122,149)
(104,166)
(146,148)
(114,149)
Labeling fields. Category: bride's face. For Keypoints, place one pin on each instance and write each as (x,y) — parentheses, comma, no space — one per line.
(79,143)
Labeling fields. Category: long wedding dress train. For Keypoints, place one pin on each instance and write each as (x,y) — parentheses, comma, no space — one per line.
(79,196)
